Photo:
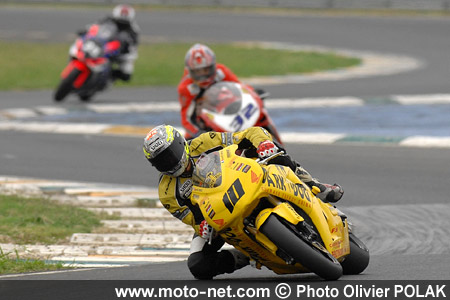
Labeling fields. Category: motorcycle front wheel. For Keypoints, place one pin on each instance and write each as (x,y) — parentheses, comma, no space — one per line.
(65,86)
(358,259)
(86,97)
(308,256)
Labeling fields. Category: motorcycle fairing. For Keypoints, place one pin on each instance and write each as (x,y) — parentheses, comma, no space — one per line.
(282,182)
(84,72)
(227,111)
(112,48)
(242,181)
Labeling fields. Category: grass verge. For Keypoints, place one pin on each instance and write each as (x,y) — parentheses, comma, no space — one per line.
(41,221)
(38,221)
(10,265)
(28,65)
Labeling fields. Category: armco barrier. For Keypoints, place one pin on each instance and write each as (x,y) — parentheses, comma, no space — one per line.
(429,5)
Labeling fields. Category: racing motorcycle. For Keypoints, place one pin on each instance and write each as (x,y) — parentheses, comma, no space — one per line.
(230,106)
(267,213)
(89,69)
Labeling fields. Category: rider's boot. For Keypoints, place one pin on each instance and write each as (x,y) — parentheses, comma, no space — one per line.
(119,74)
(240,260)
(323,191)
(205,262)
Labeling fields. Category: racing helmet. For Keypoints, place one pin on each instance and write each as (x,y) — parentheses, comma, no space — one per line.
(167,150)
(123,13)
(200,61)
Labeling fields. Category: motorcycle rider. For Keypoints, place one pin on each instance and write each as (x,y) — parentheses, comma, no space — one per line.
(200,72)
(169,152)
(123,19)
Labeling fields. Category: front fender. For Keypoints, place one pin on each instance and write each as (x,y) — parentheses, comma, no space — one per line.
(284,210)
(84,72)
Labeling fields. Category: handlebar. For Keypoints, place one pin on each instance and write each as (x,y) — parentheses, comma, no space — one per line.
(266,160)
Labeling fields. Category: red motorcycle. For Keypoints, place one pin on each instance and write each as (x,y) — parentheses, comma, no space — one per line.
(89,69)
(230,106)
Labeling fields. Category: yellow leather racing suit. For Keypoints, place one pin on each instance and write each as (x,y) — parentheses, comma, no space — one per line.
(174,192)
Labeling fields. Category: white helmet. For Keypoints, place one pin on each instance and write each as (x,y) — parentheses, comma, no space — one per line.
(200,61)
(123,13)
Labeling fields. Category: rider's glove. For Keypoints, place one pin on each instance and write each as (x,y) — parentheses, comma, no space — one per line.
(266,148)
(332,193)
(206,231)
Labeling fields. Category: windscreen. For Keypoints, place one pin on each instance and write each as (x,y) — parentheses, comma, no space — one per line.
(223,98)
(208,171)
(101,33)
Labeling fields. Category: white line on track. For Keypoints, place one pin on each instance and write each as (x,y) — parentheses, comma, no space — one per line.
(275,103)
(422,99)
(51,272)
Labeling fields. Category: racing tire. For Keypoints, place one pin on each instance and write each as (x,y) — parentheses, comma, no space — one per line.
(65,85)
(358,259)
(307,255)
(86,97)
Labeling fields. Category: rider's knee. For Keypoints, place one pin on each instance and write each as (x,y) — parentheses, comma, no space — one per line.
(200,266)
(206,265)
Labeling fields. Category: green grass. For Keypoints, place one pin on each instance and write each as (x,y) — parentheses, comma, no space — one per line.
(41,221)
(10,265)
(26,65)
(30,66)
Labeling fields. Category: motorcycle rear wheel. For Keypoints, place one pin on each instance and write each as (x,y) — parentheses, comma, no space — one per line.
(65,85)
(303,253)
(358,259)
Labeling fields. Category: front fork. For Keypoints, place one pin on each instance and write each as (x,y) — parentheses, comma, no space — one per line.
(285,211)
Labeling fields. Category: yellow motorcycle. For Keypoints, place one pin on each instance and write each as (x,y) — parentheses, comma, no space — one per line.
(267,213)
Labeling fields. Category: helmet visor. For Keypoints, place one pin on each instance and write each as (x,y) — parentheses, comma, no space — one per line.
(202,74)
(171,159)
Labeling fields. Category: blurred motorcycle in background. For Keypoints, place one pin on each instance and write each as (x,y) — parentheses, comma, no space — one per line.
(89,69)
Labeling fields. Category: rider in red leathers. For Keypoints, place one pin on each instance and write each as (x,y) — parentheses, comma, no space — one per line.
(201,71)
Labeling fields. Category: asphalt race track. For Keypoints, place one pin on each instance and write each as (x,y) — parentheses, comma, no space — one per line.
(385,184)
